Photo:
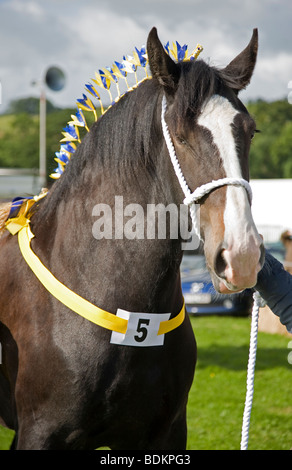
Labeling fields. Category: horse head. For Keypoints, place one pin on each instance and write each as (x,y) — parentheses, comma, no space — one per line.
(211,131)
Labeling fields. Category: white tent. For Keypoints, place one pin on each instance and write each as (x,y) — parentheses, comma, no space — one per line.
(272,207)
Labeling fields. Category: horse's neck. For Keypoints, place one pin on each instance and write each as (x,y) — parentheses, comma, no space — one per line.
(116,270)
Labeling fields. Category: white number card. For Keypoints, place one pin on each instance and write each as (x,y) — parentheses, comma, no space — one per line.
(142,329)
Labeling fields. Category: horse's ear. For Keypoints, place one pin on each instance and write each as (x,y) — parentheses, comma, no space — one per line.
(239,72)
(162,67)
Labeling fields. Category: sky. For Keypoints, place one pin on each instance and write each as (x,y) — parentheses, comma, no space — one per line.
(81,37)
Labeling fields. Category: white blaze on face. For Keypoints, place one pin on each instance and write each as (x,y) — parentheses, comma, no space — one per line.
(217,116)
(240,237)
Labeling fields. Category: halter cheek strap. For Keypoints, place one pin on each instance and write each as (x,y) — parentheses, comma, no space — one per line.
(192,197)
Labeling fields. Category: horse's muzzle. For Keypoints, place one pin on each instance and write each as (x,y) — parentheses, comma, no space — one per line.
(236,270)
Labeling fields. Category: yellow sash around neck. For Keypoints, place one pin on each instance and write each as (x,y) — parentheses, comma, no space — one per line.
(76,303)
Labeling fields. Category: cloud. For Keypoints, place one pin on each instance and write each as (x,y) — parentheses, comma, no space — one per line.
(272,76)
(29,7)
(32,41)
(81,37)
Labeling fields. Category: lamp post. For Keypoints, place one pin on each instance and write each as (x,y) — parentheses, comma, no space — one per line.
(54,79)
(42,150)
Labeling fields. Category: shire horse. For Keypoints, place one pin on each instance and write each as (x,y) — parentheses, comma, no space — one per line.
(63,383)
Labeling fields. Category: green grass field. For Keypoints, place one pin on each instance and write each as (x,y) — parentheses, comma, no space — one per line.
(217,397)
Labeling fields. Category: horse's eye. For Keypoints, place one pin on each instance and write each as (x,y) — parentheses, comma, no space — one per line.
(182,141)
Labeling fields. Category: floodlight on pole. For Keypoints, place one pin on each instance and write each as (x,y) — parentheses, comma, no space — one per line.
(54,79)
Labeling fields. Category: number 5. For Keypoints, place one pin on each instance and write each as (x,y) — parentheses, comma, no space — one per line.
(141,329)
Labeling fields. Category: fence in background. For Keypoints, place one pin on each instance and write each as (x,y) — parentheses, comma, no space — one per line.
(19,182)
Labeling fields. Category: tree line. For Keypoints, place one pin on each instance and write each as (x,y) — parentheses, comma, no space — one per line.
(270,153)
(271,149)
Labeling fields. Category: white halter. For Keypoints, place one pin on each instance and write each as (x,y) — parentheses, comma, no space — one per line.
(191,198)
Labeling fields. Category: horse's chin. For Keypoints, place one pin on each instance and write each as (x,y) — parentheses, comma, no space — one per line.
(223,287)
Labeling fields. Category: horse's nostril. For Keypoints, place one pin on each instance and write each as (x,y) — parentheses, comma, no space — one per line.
(220,264)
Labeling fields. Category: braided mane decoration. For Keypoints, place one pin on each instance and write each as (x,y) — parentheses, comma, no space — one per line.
(104,79)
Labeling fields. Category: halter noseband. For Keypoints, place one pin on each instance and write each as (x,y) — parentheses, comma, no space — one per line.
(201,191)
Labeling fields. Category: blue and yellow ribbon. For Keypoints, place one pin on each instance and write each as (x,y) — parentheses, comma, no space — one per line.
(104,79)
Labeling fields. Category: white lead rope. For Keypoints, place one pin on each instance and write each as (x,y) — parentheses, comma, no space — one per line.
(258,302)
(190,199)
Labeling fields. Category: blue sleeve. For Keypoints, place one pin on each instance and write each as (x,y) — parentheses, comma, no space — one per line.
(275,287)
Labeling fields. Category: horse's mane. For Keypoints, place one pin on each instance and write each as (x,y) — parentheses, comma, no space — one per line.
(126,137)
(119,142)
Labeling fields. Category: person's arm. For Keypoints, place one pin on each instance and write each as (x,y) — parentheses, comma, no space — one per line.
(275,287)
